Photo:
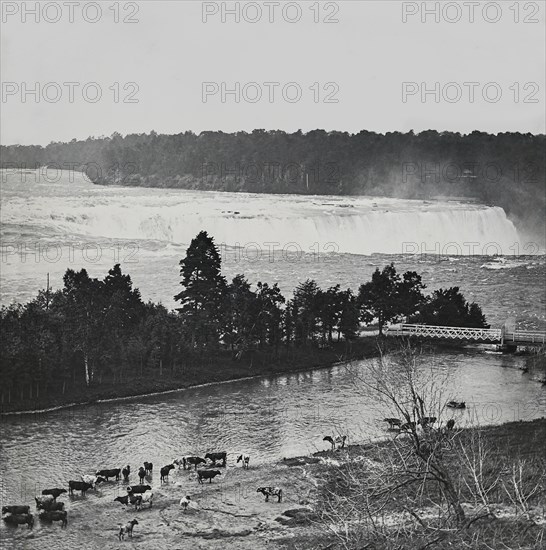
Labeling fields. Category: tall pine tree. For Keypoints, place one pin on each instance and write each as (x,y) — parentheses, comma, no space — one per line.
(203,290)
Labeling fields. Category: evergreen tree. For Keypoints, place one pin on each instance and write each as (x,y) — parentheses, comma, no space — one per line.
(203,290)
(305,308)
(349,322)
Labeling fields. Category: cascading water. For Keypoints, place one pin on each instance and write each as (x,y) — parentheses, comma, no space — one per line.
(357,225)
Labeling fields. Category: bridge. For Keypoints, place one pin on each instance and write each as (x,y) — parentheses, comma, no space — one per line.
(507,339)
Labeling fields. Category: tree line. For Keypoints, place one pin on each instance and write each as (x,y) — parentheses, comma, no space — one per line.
(505,170)
(94,331)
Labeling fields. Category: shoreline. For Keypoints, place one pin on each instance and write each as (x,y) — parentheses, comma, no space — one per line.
(173,390)
(228,514)
(366,348)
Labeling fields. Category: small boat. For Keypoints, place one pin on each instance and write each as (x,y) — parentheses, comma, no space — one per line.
(456,404)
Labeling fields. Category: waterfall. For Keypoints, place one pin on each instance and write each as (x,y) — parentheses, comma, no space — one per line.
(356,225)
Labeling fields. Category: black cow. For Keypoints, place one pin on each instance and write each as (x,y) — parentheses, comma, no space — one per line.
(195,460)
(270,492)
(55,516)
(20,519)
(54,492)
(114,472)
(53,506)
(43,500)
(207,474)
(148,467)
(78,486)
(165,471)
(16,510)
(217,456)
(126,471)
(141,474)
(138,489)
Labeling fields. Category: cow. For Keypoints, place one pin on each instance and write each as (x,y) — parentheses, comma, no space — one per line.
(113,472)
(408,427)
(127,529)
(135,500)
(20,519)
(54,492)
(148,467)
(53,506)
(41,501)
(15,509)
(92,480)
(138,489)
(393,422)
(55,516)
(207,474)
(165,471)
(216,456)
(336,440)
(270,492)
(125,472)
(245,459)
(147,498)
(78,486)
(195,460)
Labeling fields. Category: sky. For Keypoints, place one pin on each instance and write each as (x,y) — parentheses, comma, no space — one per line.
(79,69)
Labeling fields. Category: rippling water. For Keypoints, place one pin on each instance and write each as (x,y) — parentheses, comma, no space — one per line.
(270,418)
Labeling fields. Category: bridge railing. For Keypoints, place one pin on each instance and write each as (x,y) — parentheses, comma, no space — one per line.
(532,336)
(463,333)
(453,333)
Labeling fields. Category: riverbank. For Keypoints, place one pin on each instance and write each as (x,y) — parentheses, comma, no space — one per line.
(229,514)
(210,369)
(220,368)
(508,461)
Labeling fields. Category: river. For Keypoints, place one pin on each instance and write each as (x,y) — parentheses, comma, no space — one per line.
(48,226)
(269,418)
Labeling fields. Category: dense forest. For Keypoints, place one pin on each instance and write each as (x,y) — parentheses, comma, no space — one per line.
(93,332)
(507,170)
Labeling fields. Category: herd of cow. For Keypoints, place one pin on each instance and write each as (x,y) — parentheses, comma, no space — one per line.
(51,510)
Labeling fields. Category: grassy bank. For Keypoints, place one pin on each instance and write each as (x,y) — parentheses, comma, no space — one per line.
(228,514)
(508,462)
(210,368)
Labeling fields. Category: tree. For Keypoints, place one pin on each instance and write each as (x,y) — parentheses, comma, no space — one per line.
(204,288)
(329,310)
(81,303)
(305,309)
(123,309)
(410,296)
(269,314)
(349,322)
(238,315)
(449,308)
(388,297)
